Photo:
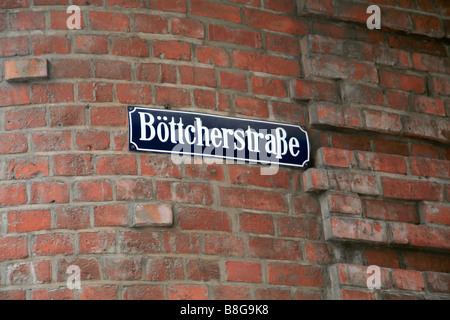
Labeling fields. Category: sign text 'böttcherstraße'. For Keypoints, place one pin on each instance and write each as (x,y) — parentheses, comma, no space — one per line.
(196,134)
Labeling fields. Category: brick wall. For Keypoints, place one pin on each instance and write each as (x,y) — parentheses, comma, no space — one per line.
(375,103)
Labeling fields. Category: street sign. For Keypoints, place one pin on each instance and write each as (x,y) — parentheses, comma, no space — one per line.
(206,135)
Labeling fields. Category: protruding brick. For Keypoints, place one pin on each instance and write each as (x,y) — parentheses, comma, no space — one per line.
(27,69)
(153,215)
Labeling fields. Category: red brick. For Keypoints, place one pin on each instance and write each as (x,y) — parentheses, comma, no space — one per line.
(238,36)
(73,165)
(314,179)
(53,244)
(381,162)
(426,262)
(204,77)
(225,292)
(164,269)
(51,141)
(168,5)
(186,292)
(344,203)
(286,6)
(224,245)
(356,275)
(53,93)
(216,11)
(14,95)
(87,191)
(27,21)
(258,19)
(256,223)
(13,247)
(95,92)
(116,165)
(29,220)
(99,293)
(125,3)
(251,107)
(429,63)
(363,94)
(143,292)
(269,87)
(290,112)
(181,243)
(67,68)
(306,204)
(268,64)
(184,192)
(351,142)
(72,217)
(437,213)
(26,69)
(325,113)
(408,280)
(391,147)
(426,25)
(313,90)
(49,192)
(243,271)
(168,73)
(203,219)
(318,252)
(429,105)
(27,168)
(252,176)
(50,44)
(391,211)
(420,235)
(140,242)
(8,4)
(340,68)
(134,93)
(202,270)
(439,282)
(12,294)
(322,6)
(397,100)
(384,259)
(430,168)
(109,116)
(356,229)
(96,242)
(298,227)
(134,190)
(153,215)
(281,43)
(149,23)
(295,275)
(111,215)
(14,194)
(14,47)
(173,50)
(335,158)
(424,151)
(109,21)
(212,55)
(148,72)
(91,44)
(122,269)
(205,99)
(117,70)
(412,189)
(274,249)
(272,294)
(133,47)
(52,294)
(28,273)
(425,128)
(160,166)
(401,81)
(252,199)
(188,27)
(25,118)
(174,96)
(357,295)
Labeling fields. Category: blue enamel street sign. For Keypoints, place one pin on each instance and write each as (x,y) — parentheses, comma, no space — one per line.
(196,134)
